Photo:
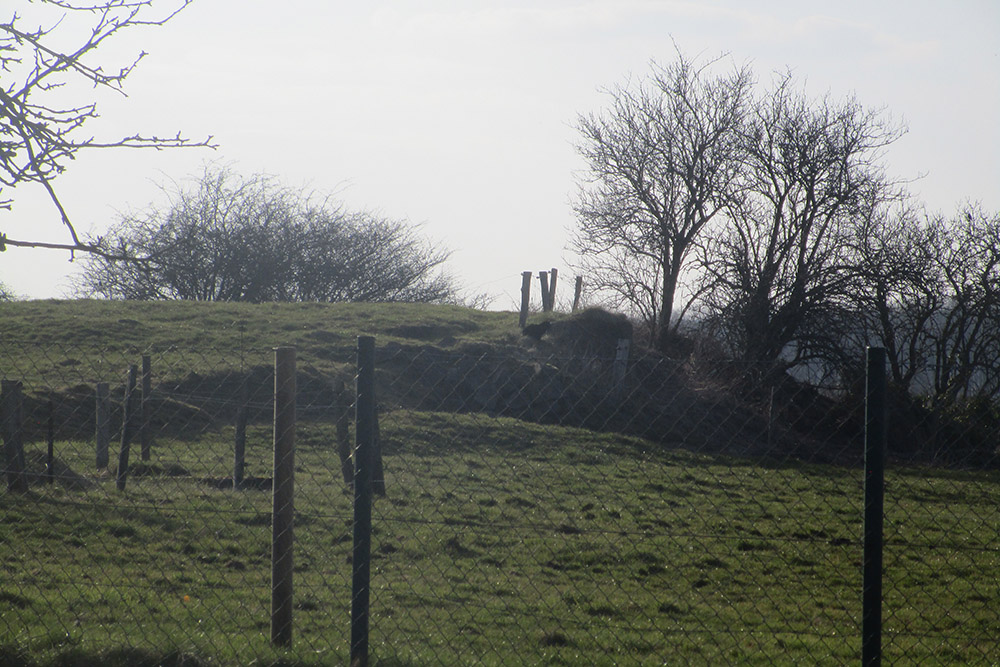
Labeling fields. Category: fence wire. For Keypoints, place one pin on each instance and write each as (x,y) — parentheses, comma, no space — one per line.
(597,507)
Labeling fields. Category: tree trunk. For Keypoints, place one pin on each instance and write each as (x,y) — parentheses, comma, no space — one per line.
(664,332)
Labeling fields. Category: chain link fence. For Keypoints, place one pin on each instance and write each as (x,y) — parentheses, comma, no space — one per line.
(537,505)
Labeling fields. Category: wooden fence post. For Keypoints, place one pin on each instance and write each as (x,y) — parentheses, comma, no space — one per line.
(11,419)
(525,297)
(543,278)
(364,429)
(619,367)
(283,497)
(127,427)
(145,434)
(341,409)
(553,276)
(102,420)
(577,292)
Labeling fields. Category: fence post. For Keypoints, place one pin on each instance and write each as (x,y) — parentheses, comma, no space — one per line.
(11,423)
(525,297)
(577,293)
(283,497)
(543,278)
(145,436)
(102,421)
(127,419)
(363,464)
(619,367)
(240,437)
(875,437)
(341,408)
(553,276)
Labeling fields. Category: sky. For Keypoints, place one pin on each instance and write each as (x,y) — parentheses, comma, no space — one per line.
(459,115)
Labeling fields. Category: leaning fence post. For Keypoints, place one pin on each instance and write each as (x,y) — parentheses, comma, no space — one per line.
(145,436)
(363,464)
(127,419)
(11,423)
(525,297)
(283,496)
(875,438)
(102,424)
(577,293)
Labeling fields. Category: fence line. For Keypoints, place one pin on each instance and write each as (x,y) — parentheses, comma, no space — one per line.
(538,508)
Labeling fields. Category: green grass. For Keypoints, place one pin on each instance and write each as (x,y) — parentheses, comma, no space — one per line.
(314,328)
(66,346)
(499,541)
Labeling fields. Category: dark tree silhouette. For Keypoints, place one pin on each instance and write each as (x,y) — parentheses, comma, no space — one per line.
(779,265)
(662,160)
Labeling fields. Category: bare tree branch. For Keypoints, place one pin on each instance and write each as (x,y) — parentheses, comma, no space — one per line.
(39,132)
(661,162)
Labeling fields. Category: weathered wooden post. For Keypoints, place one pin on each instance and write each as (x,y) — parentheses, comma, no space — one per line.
(145,430)
(525,297)
(283,497)
(341,409)
(577,293)
(102,420)
(619,367)
(11,420)
(543,278)
(553,276)
(127,427)
(364,429)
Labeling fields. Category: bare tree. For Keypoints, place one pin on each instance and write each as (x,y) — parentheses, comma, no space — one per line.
(252,239)
(777,271)
(966,332)
(662,160)
(928,291)
(41,127)
(897,289)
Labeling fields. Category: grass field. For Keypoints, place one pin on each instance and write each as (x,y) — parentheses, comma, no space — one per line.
(499,542)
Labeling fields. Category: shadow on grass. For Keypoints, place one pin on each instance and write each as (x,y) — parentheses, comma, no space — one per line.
(123,657)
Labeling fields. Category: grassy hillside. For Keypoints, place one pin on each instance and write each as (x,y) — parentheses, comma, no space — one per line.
(430,358)
(312,327)
(500,540)
(201,352)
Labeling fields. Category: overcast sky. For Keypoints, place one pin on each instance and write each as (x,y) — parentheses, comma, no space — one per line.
(459,114)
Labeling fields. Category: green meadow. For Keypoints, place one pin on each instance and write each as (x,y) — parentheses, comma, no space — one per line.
(499,541)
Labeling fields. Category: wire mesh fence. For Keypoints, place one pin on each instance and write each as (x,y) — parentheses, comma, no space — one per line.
(596,506)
